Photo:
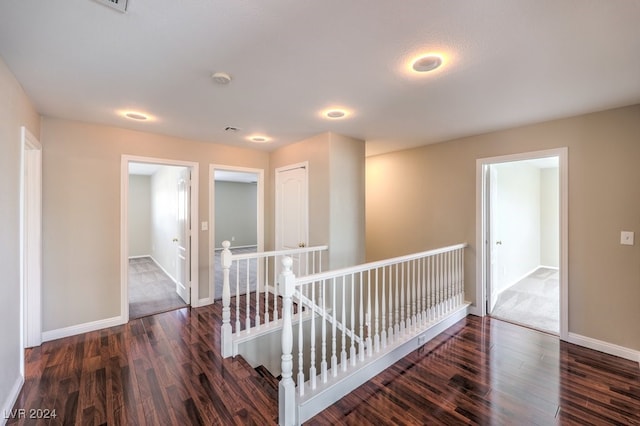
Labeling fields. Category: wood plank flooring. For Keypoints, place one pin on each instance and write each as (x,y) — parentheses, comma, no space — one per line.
(167,369)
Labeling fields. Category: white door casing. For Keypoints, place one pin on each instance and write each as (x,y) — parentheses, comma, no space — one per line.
(494,241)
(292,218)
(183,284)
(31,240)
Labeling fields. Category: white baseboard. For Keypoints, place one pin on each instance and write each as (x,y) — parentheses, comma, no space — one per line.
(140,256)
(82,328)
(7,405)
(555,268)
(163,270)
(607,348)
(203,302)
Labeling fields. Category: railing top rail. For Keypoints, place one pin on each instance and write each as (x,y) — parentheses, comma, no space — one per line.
(374,265)
(257,255)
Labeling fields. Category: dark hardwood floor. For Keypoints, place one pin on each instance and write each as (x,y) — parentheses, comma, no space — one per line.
(167,369)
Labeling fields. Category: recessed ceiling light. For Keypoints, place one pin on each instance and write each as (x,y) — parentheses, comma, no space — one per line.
(427,63)
(221,77)
(259,139)
(335,113)
(136,116)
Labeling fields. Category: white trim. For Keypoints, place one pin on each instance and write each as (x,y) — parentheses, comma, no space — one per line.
(30,242)
(139,256)
(163,270)
(7,404)
(480,307)
(607,348)
(82,328)
(212,214)
(124,234)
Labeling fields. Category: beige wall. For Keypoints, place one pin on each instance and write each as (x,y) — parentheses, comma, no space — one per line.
(425,197)
(82,211)
(16,111)
(336,193)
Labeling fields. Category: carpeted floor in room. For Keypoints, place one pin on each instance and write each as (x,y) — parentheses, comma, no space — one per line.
(151,291)
(533,301)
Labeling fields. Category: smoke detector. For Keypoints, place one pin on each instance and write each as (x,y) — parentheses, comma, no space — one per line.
(221,77)
(119,5)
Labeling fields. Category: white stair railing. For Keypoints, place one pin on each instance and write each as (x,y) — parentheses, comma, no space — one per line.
(376,314)
(250,279)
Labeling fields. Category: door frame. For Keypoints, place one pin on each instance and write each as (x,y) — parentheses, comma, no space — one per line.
(212,217)
(482,260)
(30,242)
(124,226)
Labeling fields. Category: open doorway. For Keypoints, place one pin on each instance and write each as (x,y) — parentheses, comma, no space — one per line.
(523,226)
(159,248)
(236,215)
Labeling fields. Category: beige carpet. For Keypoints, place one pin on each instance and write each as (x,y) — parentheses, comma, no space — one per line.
(533,302)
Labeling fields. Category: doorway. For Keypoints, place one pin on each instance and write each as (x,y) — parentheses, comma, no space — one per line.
(236,214)
(159,249)
(522,233)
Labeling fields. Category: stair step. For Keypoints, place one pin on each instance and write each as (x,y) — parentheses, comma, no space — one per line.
(270,379)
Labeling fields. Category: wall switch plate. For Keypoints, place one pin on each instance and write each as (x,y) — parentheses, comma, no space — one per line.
(626,238)
(204,226)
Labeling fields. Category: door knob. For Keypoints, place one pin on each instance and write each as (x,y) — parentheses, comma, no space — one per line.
(301,244)
(175,240)
(498,243)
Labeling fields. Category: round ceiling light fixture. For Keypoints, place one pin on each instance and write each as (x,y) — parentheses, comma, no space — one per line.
(427,63)
(259,139)
(221,77)
(136,116)
(335,113)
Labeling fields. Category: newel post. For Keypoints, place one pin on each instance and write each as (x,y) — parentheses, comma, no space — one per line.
(287,387)
(225,335)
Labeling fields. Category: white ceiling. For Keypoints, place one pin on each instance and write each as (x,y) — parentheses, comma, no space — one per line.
(508,63)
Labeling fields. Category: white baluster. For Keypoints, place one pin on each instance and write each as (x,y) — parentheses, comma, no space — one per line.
(390,335)
(225,334)
(248,298)
(287,387)
(323,363)
(275,295)
(413,295)
(396,325)
(361,344)
(266,291)
(237,297)
(352,352)
(257,293)
(300,348)
(343,320)
(334,358)
(312,367)
(402,299)
(383,334)
(368,316)
(376,336)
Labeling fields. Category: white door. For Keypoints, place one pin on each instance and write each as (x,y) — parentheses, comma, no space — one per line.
(183,271)
(494,240)
(291,210)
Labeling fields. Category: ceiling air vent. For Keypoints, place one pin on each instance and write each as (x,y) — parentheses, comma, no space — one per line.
(119,5)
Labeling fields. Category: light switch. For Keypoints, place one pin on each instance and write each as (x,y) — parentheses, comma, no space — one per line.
(204,226)
(626,238)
